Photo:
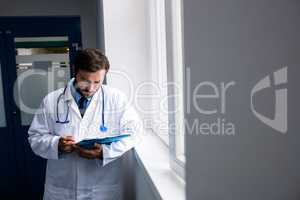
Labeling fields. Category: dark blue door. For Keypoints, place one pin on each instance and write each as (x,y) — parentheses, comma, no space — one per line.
(36,56)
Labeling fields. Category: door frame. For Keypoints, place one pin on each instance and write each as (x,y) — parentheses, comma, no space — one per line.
(29,166)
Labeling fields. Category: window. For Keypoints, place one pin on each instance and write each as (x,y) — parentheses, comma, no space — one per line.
(168,73)
(159,69)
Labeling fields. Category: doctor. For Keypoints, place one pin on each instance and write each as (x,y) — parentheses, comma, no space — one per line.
(83,108)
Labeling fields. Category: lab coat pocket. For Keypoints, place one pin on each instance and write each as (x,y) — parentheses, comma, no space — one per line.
(107,192)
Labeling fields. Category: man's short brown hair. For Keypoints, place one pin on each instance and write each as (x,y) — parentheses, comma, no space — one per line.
(91,60)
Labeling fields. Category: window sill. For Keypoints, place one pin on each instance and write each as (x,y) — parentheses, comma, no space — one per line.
(153,156)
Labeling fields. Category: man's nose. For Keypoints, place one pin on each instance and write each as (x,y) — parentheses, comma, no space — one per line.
(89,87)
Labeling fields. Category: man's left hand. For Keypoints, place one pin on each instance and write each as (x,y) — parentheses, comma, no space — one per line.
(94,153)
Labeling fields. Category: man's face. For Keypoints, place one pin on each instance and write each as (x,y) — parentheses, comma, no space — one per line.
(89,82)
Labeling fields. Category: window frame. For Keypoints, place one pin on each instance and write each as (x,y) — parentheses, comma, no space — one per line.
(166,33)
(175,58)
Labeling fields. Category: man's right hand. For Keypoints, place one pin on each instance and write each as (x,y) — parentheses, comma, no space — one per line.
(65,144)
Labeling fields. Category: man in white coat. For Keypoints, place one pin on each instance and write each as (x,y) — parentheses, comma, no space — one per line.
(83,109)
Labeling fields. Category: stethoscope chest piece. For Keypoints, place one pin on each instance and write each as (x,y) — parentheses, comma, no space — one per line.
(103,128)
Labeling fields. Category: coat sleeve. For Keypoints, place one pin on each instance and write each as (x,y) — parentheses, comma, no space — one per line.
(129,124)
(42,142)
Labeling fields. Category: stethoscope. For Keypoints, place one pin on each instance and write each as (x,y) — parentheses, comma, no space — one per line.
(102,128)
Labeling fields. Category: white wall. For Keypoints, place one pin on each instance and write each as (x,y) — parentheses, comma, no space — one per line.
(87,12)
(127,44)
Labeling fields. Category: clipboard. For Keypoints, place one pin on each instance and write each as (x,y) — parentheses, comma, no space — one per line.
(89,143)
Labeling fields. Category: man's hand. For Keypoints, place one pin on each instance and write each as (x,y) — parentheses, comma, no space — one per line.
(65,144)
(94,153)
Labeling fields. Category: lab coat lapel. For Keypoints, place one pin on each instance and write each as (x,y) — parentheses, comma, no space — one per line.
(91,109)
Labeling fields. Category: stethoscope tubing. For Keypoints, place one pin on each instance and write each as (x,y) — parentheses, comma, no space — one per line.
(102,127)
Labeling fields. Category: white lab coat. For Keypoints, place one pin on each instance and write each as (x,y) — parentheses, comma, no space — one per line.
(69,176)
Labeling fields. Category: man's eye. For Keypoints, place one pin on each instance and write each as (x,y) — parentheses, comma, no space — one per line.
(83,83)
(87,82)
